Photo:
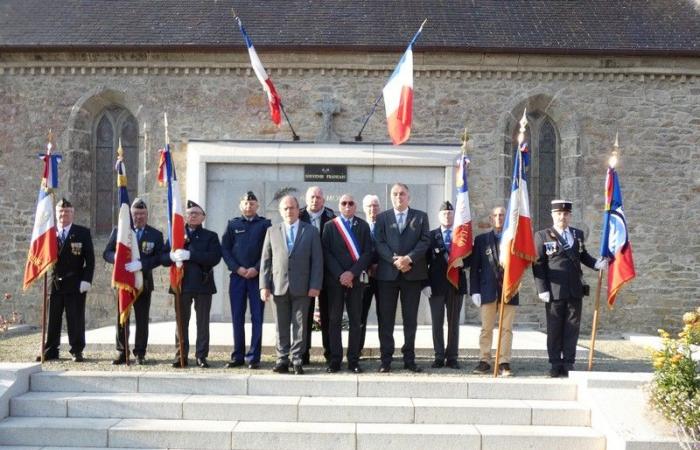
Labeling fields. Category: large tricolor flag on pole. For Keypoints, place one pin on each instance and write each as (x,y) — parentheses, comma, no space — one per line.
(43,248)
(517,249)
(398,96)
(273,99)
(462,237)
(614,243)
(176,218)
(128,284)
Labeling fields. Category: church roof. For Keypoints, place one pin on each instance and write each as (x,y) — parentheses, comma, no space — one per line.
(657,27)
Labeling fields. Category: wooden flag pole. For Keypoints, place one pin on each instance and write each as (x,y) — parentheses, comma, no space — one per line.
(126,342)
(500,333)
(43,317)
(594,329)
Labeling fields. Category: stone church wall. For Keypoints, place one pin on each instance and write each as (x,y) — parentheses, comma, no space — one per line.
(652,103)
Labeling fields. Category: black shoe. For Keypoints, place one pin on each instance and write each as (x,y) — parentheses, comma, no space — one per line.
(333,368)
(482,368)
(385,368)
(437,364)
(555,372)
(176,363)
(355,369)
(453,365)
(282,367)
(121,359)
(202,362)
(413,368)
(234,364)
(564,372)
(298,369)
(140,360)
(78,357)
(47,357)
(504,370)
(306,359)
(254,365)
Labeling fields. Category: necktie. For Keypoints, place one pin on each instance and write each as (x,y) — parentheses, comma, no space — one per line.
(139,233)
(371,229)
(401,222)
(448,239)
(62,236)
(317,222)
(290,239)
(567,238)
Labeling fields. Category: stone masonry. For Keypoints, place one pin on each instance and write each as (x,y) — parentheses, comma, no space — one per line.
(651,102)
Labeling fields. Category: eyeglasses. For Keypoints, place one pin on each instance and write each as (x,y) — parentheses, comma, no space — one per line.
(348,203)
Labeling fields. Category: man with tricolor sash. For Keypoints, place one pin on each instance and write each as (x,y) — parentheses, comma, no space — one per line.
(347,252)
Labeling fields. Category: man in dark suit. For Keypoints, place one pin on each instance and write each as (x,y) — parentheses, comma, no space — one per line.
(403,238)
(150,249)
(241,246)
(291,273)
(370,203)
(486,286)
(347,252)
(70,281)
(317,215)
(201,253)
(558,279)
(444,297)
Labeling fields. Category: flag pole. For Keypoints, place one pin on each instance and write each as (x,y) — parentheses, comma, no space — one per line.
(295,136)
(594,328)
(43,318)
(500,332)
(176,292)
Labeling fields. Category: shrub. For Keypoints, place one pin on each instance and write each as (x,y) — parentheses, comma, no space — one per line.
(675,388)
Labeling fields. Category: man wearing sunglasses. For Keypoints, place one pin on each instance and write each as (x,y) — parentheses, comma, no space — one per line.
(347,251)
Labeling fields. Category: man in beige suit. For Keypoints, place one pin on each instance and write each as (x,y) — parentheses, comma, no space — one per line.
(291,272)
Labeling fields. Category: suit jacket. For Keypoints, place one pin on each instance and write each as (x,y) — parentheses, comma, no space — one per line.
(437,266)
(296,273)
(326,216)
(556,272)
(76,261)
(150,251)
(336,256)
(241,244)
(205,254)
(414,241)
(485,272)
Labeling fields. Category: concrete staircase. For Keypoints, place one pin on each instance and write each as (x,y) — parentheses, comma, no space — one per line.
(221,411)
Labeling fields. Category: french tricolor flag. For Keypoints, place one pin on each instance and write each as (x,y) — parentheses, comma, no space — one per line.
(43,248)
(176,219)
(273,98)
(398,96)
(462,237)
(517,249)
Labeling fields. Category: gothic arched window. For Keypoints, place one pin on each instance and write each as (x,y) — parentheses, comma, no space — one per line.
(113,123)
(543,175)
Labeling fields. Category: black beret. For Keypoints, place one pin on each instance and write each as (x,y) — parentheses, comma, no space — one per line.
(138,203)
(64,203)
(446,206)
(191,204)
(249,196)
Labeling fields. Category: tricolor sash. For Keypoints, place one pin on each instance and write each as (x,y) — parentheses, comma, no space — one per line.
(348,237)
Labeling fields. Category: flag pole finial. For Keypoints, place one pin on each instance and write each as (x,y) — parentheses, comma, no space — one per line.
(165,124)
(615,155)
(120,150)
(49,142)
(523,125)
(465,139)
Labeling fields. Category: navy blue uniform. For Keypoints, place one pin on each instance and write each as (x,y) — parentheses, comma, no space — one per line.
(150,251)
(241,246)
(197,284)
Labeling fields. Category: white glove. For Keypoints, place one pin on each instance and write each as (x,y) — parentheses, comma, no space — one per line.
(601,264)
(476,299)
(182,255)
(84,287)
(427,291)
(544,296)
(174,257)
(133,266)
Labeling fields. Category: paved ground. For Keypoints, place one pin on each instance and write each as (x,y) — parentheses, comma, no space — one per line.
(529,354)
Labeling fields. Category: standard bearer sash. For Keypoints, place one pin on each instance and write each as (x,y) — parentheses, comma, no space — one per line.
(348,238)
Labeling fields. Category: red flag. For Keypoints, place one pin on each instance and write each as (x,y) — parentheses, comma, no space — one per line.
(176,218)
(517,249)
(615,244)
(128,284)
(462,236)
(43,248)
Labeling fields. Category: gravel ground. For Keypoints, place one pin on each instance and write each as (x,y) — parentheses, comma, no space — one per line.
(613,355)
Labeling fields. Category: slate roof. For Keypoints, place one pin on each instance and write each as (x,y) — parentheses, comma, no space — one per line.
(656,27)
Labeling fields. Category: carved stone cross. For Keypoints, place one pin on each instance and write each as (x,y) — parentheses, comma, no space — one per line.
(327,108)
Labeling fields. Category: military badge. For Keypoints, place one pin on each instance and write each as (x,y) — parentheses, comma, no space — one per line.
(488,251)
(550,247)
(147,247)
(76,248)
